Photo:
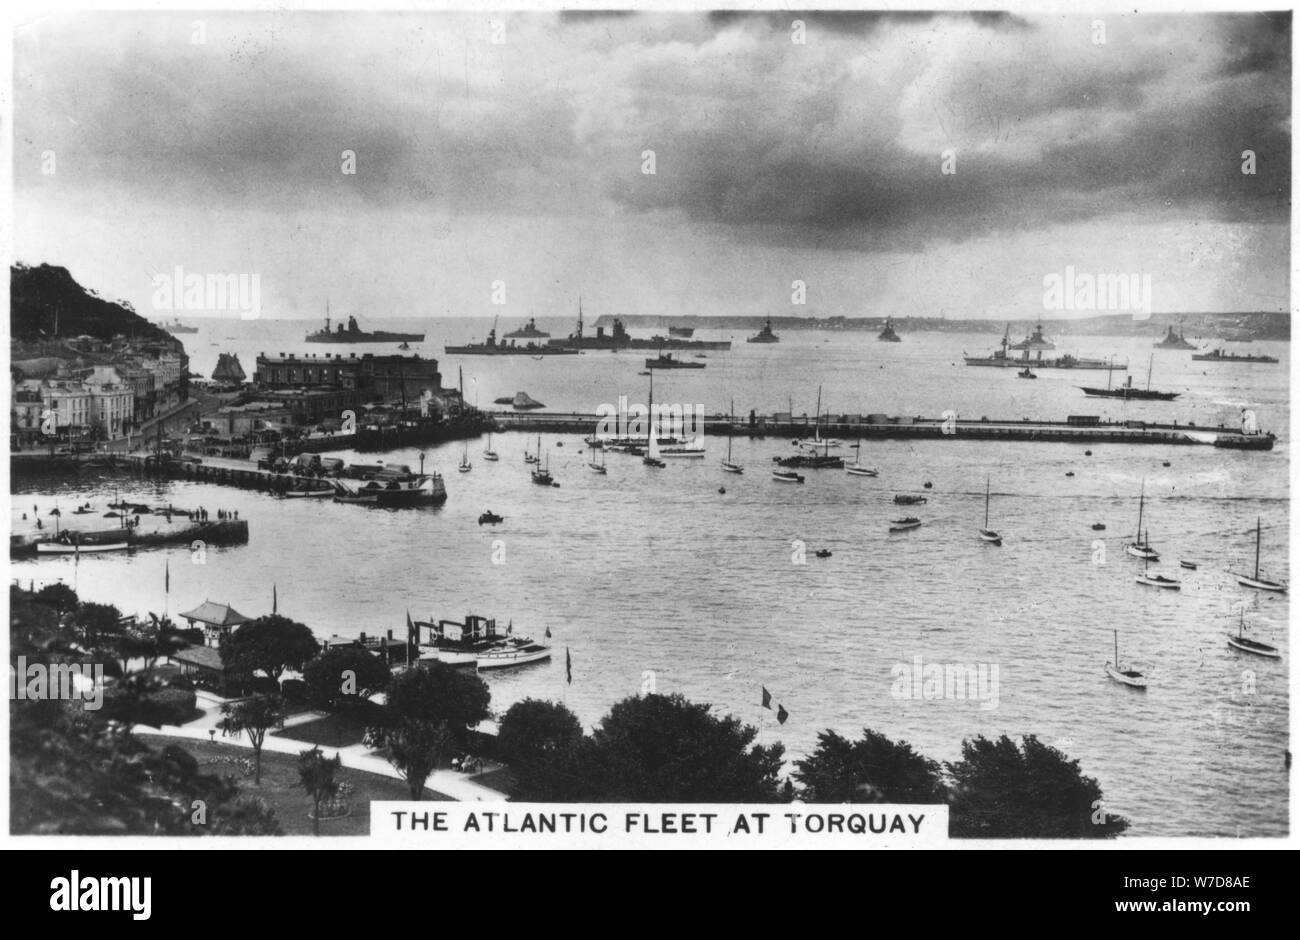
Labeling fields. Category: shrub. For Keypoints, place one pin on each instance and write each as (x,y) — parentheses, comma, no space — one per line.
(173,706)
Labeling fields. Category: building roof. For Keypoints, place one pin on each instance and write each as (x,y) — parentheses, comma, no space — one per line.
(204,657)
(217,615)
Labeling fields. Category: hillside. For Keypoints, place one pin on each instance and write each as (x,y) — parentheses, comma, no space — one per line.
(41,295)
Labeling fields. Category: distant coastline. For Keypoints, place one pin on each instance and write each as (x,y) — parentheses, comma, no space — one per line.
(1211,326)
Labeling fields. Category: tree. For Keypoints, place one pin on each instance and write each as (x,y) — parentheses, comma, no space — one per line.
(93,621)
(541,742)
(666,749)
(270,644)
(873,769)
(317,774)
(344,675)
(73,772)
(414,747)
(254,716)
(57,596)
(437,692)
(1001,791)
(429,707)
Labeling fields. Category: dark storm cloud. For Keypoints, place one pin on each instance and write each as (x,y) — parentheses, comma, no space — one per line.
(836,143)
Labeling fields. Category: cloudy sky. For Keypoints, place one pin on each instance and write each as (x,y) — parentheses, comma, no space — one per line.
(521,160)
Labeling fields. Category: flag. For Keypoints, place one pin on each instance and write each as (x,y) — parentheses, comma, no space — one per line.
(767,698)
(167,576)
(413,637)
(548,633)
(275,600)
(781,714)
(568,667)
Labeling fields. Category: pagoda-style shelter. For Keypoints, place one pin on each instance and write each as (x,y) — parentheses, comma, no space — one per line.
(217,621)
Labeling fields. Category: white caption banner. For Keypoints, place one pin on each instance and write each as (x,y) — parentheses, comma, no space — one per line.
(658,825)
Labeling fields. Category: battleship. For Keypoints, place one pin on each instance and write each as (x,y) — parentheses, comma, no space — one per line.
(1001,359)
(619,338)
(765,335)
(1174,340)
(1220,356)
(528,331)
(354,334)
(493,348)
(1035,341)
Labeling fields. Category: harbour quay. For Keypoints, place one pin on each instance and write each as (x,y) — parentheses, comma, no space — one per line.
(1077,429)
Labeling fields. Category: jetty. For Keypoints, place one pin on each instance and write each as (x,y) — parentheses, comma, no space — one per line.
(1075,429)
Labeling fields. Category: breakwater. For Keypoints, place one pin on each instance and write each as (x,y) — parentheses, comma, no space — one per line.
(1078,429)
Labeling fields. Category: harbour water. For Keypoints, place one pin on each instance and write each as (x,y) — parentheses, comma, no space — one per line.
(653,578)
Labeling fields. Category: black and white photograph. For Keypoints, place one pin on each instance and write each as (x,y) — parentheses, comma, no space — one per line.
(876,418)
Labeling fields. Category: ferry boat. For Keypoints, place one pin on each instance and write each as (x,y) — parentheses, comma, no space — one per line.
(1174,340)
(887,335)
(1219,355)
(176,326)
(477,642)
(528,331)
(685,332)
(354,334)
(1002,359)
(412,490)
(765,335)
(908,500)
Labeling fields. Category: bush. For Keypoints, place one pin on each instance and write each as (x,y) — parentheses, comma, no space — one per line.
(173,706)
(262,685)
(180,682)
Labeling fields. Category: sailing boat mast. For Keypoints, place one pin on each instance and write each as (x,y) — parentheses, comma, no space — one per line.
(1141,501)
(1150,363)
(1116,635)
(986,502)
(650,419)
(817,418)
(1257,531)
(731,430)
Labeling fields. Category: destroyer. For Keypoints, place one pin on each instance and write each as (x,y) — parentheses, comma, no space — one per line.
(1219,355)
